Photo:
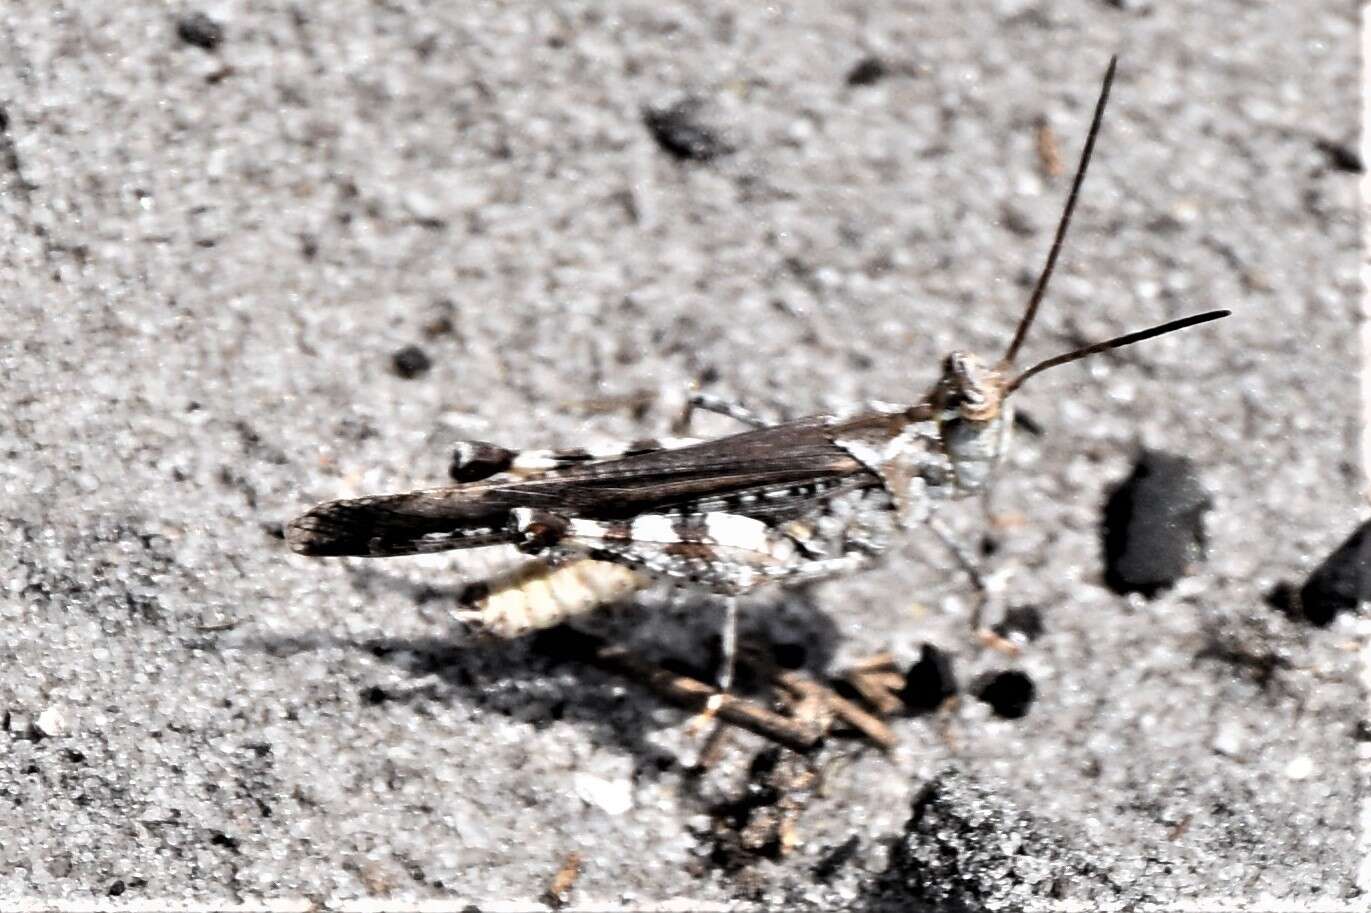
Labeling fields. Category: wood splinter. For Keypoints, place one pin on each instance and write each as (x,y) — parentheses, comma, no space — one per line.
(687,692)
(805,687)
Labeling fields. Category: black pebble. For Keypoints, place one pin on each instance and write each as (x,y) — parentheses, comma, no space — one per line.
(1027,424)
(219,838)
(1024,620)
(1154,524)
(789,655)
(829,864)
(1009,693)
(1342,156)
(929,682)
(1340,582)
(200,30)
(411,361)
(678,130)
(869,70)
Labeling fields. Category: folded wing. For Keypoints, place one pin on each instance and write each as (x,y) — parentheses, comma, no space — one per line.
(796,454)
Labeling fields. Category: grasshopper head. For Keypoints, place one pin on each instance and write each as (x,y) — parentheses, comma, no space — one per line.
(969,390)
(971,400)
(973,416)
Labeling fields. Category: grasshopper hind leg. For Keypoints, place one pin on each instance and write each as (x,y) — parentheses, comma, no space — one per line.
(719,406)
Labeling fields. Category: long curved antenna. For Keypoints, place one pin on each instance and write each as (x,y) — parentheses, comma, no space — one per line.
(1065,221)
(1115,343)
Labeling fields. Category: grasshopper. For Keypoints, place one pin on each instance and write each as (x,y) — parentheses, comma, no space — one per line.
(789,503)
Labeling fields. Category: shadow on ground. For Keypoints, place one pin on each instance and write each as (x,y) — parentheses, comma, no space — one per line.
(540,678)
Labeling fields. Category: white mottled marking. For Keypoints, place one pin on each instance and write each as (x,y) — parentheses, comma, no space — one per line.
(654,528)
(864,453)
(735,531)
(534,459)
(676,443)
(587,529)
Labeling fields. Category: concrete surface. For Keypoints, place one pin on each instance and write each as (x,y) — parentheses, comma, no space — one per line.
(212,255)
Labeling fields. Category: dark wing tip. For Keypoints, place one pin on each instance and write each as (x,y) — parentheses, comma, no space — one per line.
(326,532)
(388,526)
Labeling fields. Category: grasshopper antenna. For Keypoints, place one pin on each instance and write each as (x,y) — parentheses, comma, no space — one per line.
(1041,287)
(1117,342)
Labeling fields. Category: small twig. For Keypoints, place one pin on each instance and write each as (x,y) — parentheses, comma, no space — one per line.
(873,687)
(632,400)
(559,889)
(713,748)
(685,691)
(812,709)
(865,723)
(944,723)
(882,662)
(803,686)
(996,642)
(890,681)
(1049,156)
(216,626)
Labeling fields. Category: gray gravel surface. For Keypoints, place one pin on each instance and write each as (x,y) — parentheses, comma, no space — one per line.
(215,249)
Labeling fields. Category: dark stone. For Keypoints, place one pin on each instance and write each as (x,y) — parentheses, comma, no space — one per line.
(1341,156)
(789,655)
(929,682)
(219,838)
(1008,693)
(680,132)
(832,861)
(1027,424)
(1341,582)
(1025,621)
(200,30)
(966,848)
(868,71)
(411,362)
(1153,526)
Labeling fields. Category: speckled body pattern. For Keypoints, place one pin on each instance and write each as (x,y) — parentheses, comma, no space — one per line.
(792,503)
(797,502)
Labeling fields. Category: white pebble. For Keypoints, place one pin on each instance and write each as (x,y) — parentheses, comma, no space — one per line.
(613,797)
(1300,768)
(51,723)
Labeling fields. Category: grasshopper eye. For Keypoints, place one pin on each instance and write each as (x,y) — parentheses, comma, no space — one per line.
(970,388)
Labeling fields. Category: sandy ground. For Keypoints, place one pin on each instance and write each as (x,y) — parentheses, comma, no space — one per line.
(212,255)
